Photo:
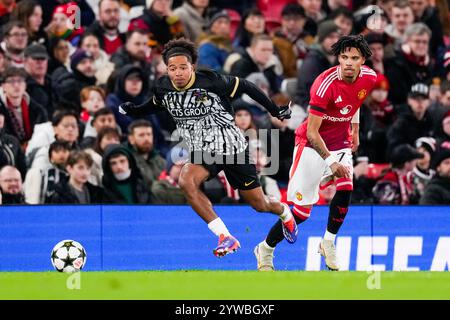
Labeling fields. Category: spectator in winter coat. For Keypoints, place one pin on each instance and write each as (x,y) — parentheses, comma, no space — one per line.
(167,190)
(21,112)
(193,16)
(39,85)
(67,85)
(414,120)
(77,189)
(259,58)
(106,28)
(10,150)
(135,52)
(40,184)
(215,43)
(411,63)
(140,144)
(438,189)
(429,15)
(15,40)
(122,178)
(289,39)
(396,186)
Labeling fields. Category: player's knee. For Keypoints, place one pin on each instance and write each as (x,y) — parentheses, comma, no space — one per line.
(187,184)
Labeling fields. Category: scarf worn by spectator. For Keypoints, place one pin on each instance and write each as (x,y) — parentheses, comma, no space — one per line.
(23,130)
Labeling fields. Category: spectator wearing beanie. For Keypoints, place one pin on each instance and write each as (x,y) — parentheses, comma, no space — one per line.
(159,22)
(318,59)
(166,190)
(193,16)
(63,23)
(49,6)
(438,189)
(289,39)
(38,81)
(215,43)
(67,85)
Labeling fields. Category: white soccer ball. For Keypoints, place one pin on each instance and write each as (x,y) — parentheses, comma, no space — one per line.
(68,256)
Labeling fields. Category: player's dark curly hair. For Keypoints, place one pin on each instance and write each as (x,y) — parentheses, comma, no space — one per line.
(352,41)
(180,47)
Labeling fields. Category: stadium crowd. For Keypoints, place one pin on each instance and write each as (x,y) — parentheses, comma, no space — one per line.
(66,66)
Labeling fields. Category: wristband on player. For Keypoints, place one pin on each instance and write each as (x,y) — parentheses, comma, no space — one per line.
(330,160)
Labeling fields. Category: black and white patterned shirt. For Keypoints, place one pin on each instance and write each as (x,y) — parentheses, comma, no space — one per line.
(202,110)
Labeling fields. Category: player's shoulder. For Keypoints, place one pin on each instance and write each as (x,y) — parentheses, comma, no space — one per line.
(368,73)
(329,74)
(324,81)
(203,73)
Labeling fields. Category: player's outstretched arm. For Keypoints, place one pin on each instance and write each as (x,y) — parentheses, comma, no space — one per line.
(148,107)
(247,87)
(316,141)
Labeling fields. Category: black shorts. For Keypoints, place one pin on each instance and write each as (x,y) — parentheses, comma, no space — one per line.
(239,169)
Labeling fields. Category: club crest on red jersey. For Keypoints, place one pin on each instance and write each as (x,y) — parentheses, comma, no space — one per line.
(362,94)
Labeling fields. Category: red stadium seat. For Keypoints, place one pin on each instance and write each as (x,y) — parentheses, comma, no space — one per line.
(235,19)
(272,9)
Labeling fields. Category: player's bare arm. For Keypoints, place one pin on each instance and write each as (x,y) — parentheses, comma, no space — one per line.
(318,144)
(355,136)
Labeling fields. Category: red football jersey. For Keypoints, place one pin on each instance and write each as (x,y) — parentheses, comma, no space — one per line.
(336,101)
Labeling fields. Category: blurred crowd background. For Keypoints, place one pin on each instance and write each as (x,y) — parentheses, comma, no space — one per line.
(66,66)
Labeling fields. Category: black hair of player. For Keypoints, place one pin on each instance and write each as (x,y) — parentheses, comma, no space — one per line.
(180,47)
(353,41)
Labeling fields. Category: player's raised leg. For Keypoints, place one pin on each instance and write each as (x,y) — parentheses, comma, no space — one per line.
(191,177)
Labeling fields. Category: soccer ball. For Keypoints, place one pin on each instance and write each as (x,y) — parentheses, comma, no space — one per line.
(68,256)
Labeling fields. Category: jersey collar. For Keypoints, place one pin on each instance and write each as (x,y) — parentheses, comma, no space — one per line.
(189,84)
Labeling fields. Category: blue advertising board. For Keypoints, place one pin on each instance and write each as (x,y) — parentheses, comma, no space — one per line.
(175,238)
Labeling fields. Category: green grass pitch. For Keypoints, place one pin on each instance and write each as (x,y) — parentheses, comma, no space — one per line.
(226,285)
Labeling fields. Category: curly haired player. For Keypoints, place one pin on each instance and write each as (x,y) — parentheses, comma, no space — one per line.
(200,103)
(324,145)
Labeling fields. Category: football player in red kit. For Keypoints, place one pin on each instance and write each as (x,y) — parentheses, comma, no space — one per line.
(324,145)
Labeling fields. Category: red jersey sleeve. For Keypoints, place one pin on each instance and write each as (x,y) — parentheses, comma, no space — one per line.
(320,96)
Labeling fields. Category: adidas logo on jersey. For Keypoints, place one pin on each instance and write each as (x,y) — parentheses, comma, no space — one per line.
(339,99)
